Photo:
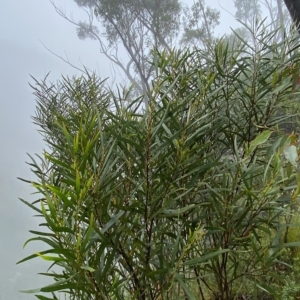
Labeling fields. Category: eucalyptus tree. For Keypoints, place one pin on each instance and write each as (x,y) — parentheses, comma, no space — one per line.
(180,201)
(138,27)
(247,11)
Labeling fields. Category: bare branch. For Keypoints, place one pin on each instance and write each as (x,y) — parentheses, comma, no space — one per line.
(63,59)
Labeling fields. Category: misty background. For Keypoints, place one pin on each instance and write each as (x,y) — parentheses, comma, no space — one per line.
(24,27)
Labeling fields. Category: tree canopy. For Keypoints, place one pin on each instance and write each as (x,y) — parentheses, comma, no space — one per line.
(139,26)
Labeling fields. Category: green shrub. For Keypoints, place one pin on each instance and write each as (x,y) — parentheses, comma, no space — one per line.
(179,200)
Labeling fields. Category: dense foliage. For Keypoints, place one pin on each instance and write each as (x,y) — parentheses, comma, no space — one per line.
(184,199)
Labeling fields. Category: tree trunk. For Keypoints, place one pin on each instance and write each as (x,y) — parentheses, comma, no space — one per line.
(294,8)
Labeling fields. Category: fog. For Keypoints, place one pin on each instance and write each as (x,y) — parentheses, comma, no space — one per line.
(25,27)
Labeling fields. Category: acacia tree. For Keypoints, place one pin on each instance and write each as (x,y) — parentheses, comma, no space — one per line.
(139,26)
(182,201)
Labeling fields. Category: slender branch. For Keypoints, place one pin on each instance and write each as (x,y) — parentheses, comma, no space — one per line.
(63,59)
(129,50)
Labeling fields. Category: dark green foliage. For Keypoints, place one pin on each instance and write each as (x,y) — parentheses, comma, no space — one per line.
(181,200)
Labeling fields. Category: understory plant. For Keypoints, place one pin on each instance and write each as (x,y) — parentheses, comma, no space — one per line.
(182,199)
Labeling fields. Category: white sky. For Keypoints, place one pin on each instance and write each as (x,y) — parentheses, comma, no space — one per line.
(22,25)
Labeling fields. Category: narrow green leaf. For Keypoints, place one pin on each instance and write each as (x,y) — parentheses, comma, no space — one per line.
(30,291)
(64,252)
(204,258)
(260,139)
(50,242)
(44,298)
(185,287)
(31,206)
(88,268)
(61,287)
(177,212)
(51,258)
(286,245)
(289,169)
(88,233)
(112,221)
(267,288)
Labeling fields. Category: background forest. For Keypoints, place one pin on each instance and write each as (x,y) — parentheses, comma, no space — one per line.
(182,182)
